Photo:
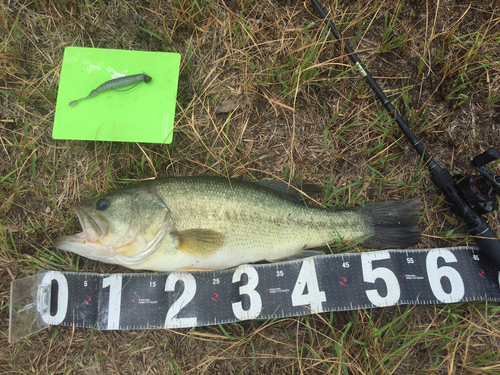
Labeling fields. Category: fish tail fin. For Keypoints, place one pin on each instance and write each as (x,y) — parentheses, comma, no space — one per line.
(394,223)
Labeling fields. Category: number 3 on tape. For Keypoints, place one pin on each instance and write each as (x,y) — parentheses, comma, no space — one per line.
(249,290)
(262,291)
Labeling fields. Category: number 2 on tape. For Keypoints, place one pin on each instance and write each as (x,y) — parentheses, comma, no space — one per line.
(171,321)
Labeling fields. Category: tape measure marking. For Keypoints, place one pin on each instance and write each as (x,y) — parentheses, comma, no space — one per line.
(318,284)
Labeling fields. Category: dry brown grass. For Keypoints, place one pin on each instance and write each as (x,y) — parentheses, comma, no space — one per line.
(291,119)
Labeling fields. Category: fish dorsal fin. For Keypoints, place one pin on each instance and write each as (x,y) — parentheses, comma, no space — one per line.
(289,191)
(199,243)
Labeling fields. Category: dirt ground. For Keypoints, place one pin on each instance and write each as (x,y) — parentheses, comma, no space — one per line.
(260,96)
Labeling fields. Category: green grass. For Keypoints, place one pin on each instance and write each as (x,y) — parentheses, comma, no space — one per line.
(303,112)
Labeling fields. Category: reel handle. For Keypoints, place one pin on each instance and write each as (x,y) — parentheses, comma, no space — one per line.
(486,157)
(479,164)
(477,227)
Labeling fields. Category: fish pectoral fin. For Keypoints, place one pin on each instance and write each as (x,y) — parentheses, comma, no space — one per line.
(200,243)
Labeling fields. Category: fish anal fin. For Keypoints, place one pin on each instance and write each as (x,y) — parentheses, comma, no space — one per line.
(199,243)
(194,269)
(299,256)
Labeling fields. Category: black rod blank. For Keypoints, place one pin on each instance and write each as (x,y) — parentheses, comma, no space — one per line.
(433,166)
(484,236)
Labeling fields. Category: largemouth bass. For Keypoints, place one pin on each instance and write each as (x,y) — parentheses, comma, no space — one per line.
(211,223)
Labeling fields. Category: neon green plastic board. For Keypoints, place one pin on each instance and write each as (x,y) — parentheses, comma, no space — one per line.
(144,113)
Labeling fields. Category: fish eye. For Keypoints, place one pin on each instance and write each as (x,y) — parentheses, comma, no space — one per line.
(102,204)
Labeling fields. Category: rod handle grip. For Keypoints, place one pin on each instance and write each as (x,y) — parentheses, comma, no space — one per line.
(489,244)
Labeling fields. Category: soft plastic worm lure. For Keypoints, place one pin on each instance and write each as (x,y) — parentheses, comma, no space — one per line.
(116,83)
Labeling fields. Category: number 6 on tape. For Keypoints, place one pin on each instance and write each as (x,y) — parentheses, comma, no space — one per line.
(436,273)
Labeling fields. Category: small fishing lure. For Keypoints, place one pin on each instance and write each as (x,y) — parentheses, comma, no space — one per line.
(116,83)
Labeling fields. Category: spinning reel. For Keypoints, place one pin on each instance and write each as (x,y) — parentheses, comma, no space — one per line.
(480,191)
(469,196)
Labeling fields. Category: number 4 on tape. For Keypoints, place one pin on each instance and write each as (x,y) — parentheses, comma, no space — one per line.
(312,285)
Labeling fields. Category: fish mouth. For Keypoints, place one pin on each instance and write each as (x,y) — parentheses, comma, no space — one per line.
(86,243)
(93,229)
(78,244)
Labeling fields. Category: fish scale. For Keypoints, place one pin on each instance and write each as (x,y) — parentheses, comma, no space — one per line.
(260,219)
(208,223)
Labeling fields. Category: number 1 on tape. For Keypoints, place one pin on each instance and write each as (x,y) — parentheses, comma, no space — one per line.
(261,291)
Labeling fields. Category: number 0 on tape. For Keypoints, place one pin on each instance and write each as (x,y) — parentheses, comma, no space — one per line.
(262,291)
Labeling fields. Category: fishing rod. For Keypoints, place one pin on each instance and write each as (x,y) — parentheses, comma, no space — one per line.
(470,196)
